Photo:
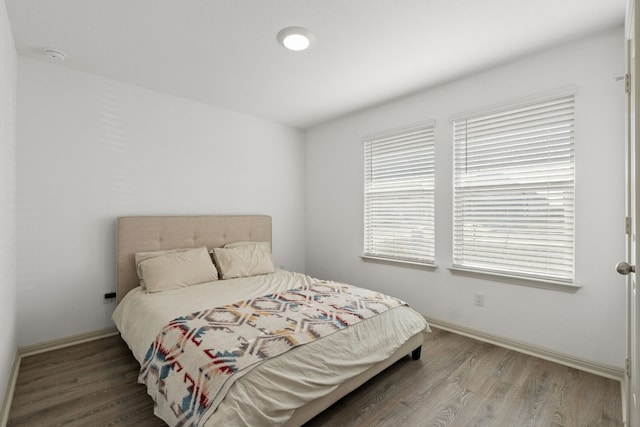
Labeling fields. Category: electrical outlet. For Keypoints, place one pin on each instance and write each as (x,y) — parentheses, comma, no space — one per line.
(478,299)
(109,297)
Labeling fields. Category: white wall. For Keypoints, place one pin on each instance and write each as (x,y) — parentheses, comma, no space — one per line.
(93,149)
(7,198)
(589,323)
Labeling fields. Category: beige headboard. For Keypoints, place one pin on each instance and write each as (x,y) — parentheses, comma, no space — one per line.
(155,233)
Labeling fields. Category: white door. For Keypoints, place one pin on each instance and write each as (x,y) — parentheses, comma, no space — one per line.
(631,384)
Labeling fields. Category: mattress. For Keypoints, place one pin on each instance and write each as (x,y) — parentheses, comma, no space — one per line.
(271,392)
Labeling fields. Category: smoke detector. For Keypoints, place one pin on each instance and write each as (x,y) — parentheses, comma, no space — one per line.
(55,55)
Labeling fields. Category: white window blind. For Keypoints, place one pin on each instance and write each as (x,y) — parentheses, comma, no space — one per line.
(399,195)
(514,187)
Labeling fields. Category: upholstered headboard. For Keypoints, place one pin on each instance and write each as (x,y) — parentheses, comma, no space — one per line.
(155,233)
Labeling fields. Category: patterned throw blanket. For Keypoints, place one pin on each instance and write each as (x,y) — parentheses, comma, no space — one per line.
(196,358)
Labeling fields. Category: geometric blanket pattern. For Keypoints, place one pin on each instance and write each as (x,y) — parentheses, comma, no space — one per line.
(195,359)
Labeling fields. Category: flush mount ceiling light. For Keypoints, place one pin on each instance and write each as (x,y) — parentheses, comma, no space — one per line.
(295,38)
(55,55)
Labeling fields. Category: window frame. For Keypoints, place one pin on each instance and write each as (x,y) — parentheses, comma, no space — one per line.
(427,130)
(458,218)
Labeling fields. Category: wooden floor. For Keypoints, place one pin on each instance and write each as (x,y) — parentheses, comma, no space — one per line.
(458,382)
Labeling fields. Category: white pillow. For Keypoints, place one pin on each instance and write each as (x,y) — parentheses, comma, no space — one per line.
(177,270)
(243,261)
(141,256)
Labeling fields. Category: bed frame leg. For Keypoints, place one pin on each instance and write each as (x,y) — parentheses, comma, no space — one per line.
(415,354)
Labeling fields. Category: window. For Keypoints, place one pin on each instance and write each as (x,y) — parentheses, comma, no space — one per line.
(514,187)
(399,195)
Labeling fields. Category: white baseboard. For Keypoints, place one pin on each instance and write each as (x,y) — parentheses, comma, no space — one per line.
(41,348)
(30,350)
(607,371)
(8,394)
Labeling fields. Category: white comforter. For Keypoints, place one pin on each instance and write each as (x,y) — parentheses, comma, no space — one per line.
(272,391)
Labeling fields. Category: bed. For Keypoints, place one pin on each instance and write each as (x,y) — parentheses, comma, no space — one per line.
(285,389)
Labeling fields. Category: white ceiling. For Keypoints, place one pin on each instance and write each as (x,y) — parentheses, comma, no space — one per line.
(225,53)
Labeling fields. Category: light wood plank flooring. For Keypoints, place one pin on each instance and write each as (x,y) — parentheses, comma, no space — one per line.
(458,382)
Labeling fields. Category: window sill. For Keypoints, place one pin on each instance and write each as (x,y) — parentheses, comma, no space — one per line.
(555,285)
(393,261)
